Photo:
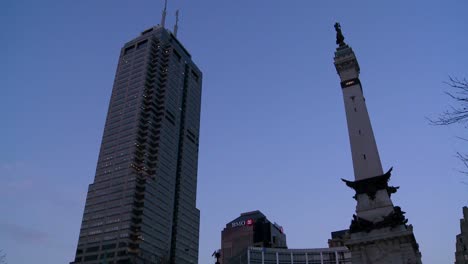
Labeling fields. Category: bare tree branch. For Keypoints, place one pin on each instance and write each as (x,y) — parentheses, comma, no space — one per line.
(457,113)
(464,139)
(464,160)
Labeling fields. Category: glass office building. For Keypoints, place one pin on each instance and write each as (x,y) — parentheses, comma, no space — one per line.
(141,207)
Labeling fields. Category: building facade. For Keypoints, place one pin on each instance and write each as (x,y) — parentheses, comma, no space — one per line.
(141,207)
(247,230)
(255,255)
(461,255)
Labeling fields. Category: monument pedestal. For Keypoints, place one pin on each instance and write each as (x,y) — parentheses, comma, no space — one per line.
(378,233)
(384,246)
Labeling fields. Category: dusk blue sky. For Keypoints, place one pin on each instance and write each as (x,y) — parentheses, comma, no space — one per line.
(273,127)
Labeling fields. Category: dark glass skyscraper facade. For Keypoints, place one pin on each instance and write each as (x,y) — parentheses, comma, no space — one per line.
(141,207)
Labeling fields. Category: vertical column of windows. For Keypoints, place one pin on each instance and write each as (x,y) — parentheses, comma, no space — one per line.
(146,145)
(176,241)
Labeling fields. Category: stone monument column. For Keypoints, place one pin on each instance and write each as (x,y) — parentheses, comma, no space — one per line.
(378,232)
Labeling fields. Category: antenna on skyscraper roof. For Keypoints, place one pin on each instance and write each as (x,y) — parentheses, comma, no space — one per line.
(176,26)
(163,19)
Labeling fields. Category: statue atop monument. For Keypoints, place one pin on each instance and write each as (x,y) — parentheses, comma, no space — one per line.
(339,35)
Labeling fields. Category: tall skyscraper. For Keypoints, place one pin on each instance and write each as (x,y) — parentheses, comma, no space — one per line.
(141,207)
(379,232)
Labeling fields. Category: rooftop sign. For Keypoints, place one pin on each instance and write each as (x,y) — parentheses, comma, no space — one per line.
(247,222)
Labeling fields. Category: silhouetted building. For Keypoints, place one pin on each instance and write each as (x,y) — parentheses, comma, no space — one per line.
(255,255)
(141,207)
(338,238)
(461,255)
(247,230)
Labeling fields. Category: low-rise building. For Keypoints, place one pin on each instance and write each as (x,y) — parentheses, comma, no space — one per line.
(250,229)
(255,255)
(338,238)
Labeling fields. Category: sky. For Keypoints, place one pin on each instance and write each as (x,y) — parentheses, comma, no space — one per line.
(273,128)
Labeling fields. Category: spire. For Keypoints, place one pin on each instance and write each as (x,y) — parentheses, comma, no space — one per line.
(163,19)
(176,26)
